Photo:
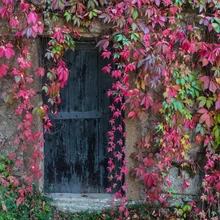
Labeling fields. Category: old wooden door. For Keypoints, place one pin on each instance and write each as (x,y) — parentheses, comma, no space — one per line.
(75,149)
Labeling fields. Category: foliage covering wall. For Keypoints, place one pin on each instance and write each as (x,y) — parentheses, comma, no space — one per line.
(173,48)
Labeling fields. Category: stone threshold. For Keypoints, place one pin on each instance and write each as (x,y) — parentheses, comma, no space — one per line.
(73,202)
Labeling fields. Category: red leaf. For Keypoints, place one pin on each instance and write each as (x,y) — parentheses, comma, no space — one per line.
(32,18)
(149,179)
(40,71)
(3,70)
(186,184)
(172,92)
(18,163)
(204,62)
(19,201)
(148,162)
(217,104)
(9,53)
(208,83)
(63,73)
(106,54)
(212,86)
(217,186)
(116,73)
(205,80)
(4,12)
(12,156)
(147,101)
(156,106)
(139,171)
(2,51)
(203,110)
(130,67)
(107,69)
(131,114)
(205,117)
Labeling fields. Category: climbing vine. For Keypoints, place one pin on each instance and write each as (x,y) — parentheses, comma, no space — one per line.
(169,47)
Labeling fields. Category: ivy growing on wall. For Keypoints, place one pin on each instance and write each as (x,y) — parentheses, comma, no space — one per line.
(171,46)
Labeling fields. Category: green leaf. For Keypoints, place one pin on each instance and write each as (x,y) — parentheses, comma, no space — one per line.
(209,103)
(135,15)
(133,26)
(216,133)
(45,88)
(118,38)
(2,167)
(216,27)
(134,36)
(90,15)
(202,103)
(182,81)
(17,79)
(177,105)
(218,118)
(217,19)
(178,81)
(200,129)
(55,17)
(68,16)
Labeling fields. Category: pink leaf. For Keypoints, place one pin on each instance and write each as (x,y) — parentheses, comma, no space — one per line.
(18,163)
(40,71)
(186,184)
(212,86)
(204,62)
(217,104)
(107,69)
(106,54)
(116,73)
(147,101)
(205,80)
(3,70)
(19,201)
(2,51)
(32,18)
(203,110)
(157,2)
(217,186)
(149,179)
(148,162)
(9,53)
(131,114)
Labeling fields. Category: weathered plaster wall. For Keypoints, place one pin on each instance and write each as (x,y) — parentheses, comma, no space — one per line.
(8,119)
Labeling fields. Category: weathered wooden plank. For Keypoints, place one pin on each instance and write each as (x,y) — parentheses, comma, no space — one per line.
(83,94)
(56,154)
(76,115)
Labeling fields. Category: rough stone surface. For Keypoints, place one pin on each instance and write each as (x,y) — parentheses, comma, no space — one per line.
(177,182)
(8,119)
(81,202)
